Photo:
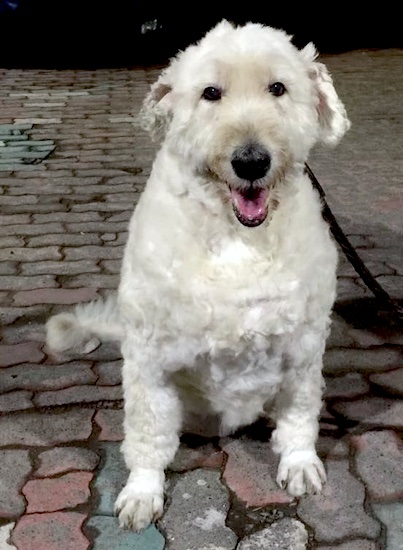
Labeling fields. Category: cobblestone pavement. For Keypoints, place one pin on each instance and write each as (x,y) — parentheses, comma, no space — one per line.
(62,232)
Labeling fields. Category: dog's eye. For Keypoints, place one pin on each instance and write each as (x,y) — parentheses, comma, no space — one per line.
(277,89)
(211,93)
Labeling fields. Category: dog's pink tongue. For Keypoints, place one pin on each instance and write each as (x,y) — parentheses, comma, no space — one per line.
(250,205)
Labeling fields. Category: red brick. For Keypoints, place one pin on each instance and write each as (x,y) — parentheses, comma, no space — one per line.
(55,531)
(50,495)
(188,458)
(251,471)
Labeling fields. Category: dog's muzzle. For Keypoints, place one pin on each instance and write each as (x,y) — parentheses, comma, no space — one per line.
(250,163)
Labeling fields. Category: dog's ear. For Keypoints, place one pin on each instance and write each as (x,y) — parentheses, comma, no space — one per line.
(332,115)
(156,111)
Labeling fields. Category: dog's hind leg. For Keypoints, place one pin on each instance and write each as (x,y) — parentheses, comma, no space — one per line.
(153,417)
(296,414)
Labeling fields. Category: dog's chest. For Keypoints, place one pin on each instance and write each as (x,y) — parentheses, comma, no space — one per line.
(237,291)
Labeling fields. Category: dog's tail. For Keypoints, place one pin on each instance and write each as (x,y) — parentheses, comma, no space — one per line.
(81,330)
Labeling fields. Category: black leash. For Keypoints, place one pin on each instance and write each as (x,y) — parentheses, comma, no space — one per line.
(391,305)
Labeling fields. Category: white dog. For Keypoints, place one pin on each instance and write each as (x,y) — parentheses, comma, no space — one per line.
(229,272)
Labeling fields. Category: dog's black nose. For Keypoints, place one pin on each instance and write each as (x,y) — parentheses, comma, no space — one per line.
(251,162)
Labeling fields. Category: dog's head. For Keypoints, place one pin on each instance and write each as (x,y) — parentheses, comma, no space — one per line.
(244,107)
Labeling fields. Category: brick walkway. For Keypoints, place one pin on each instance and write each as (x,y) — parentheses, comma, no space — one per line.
(62,231)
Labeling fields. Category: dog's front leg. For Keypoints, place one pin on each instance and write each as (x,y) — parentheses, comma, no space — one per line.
(297,411)
(152,423)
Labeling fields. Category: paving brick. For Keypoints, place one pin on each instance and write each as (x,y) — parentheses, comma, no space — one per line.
(111,423)
(349,385)
(60,268)
(98,252)
(54,531)
(374,411)
(64,239)
(109,535)
(16,401)
(55,296)
(78,394)
(109,373)
(286,534)
(250,472)
(65,459)
(363,360)
(8,268)
(67,216)
(366,338)
(11,241)
(378,459)
(361,544)
(30,376)
(41,189)
(376,268)
(391,516)
(101,206)
(32,209)
(392,284)
(204,456)
(338,512)
(7,200)
(31,331)
(5,532)
(391,381)
(51,495)
(107,351)
(339,335)
(20,353)
(32,229)
(111,478)
(15,467)
(108,237)
(199,497)
(98,280)
(16,219)
(348,289)
(120,217)
(45,429)
(10,314)
(329,447)
(27,283)
(107,226)
(111,266)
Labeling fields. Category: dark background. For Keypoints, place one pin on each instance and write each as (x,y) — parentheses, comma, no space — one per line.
(89,33)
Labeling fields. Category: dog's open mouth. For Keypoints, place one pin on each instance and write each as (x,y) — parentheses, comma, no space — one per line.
(250,205)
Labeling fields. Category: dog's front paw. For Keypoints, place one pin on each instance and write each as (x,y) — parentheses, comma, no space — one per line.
(141,501)
(301,472)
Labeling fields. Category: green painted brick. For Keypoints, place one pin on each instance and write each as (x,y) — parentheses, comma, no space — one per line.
(106,534)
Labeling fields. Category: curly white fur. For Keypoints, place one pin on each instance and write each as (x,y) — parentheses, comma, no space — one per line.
(214,315)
